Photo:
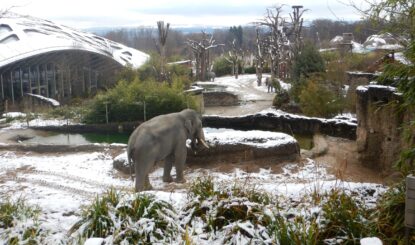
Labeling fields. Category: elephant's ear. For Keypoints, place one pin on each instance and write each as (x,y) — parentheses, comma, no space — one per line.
(188,126)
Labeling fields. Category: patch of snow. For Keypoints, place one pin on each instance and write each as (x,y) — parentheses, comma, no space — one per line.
(46,99)
(260,139)
(278,113)
(14,114)
(94,241)
(399,56)
(370,241)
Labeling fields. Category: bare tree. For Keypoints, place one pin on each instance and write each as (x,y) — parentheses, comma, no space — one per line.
(275,23)
(163,31)
(201,52)
(234,56)
(260,56)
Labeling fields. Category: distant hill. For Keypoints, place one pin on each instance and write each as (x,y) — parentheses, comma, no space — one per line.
(185,30)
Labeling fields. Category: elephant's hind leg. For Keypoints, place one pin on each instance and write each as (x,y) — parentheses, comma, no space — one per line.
(168,164)
(142,169)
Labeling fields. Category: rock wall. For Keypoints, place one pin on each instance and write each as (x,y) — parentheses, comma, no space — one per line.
(284,123)
(240,153)
(220,98)
(379,134)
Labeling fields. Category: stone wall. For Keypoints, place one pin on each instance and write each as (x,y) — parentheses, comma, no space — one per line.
(379,134)
(220,98)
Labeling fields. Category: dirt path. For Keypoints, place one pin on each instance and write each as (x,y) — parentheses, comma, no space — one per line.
(339,156)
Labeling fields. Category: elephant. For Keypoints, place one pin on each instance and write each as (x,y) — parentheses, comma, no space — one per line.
(164,138)
(211,76)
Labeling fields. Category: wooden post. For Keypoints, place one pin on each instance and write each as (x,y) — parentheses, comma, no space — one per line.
(89,81)
(54,81)
(62,92)
(11,87)
(46,80)
(30,81)
(2,86)
(106,111)
(21,81)
(69,83)
(145,113)
(83,81)
(38,79)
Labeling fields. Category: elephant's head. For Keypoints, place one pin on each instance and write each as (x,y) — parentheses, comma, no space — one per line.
(194,128)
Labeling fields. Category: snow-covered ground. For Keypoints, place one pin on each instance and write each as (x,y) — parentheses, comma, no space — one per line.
(61,183)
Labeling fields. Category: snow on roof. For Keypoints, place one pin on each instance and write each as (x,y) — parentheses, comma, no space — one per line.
(382,41)
(366,88)
(336,40)
(25,36)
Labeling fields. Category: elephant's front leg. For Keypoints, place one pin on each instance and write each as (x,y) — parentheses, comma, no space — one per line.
(168,164)
(179,161)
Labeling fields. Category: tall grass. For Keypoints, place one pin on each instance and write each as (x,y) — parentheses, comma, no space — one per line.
(131,219)
(19,223)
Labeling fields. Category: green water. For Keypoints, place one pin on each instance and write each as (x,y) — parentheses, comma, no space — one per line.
(107,138)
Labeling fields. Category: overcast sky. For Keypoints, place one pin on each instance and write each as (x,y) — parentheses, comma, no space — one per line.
(114,13)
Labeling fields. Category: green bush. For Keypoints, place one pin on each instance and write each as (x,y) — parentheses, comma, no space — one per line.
(308,61)
(316,100)
(125,102)
(222,67)
(281,97)
(250,70)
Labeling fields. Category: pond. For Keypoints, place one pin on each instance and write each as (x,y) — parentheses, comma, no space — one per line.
(54,138)
(30,136)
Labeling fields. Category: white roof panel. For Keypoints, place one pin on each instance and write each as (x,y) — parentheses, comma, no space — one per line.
(25,36)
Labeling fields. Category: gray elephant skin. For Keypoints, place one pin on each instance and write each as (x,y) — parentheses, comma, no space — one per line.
(164,138)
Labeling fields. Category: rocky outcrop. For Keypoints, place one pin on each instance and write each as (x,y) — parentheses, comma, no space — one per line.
(287,123)
(379,134)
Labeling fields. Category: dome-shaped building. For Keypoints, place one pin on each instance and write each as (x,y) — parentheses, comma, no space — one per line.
(43,58)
